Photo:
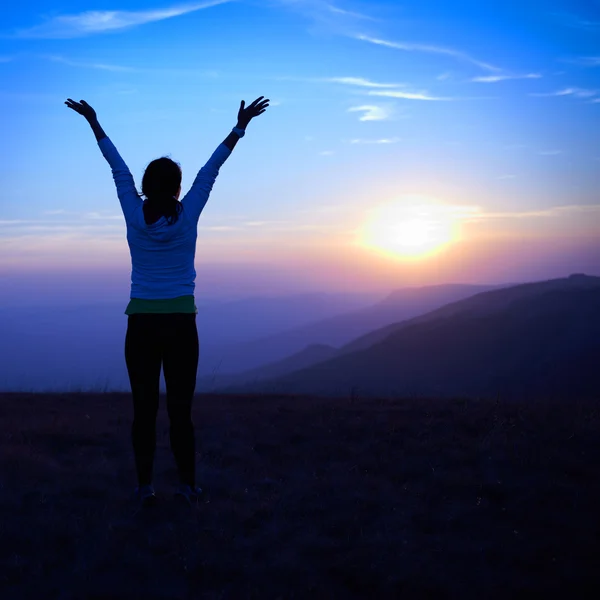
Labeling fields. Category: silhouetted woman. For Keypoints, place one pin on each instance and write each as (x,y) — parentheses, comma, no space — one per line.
(161,326)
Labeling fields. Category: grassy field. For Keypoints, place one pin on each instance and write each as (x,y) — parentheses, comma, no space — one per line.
(304,497)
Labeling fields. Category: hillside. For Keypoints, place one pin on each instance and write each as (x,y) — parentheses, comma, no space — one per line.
(303,499)
(544,340)
(332,331)
(481,304)
(311,355)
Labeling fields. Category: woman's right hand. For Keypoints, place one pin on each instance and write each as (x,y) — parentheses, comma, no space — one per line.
(245,115)
(83,108)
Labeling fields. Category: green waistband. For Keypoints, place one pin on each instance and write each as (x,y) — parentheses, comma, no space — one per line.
(181,304)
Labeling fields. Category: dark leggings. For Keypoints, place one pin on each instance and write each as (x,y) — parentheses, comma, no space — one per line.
(170,340)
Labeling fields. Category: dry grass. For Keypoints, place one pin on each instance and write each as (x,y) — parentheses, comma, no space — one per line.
(304,497)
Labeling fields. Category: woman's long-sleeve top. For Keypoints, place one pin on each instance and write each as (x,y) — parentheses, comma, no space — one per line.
(162,255)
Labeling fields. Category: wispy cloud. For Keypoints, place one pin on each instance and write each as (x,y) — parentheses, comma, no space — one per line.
(411,47)
(102,21)
(496,78)
(247,224)
(389,90)
(575,92)
(393,140)
(59,211)
(576,21)
(100,217)
(351,81)
(551,212)
(126,69)
(91,65)
(94,225)
(348,13)
(361,82)
(584,61)
(265,227)
(326,16)
(507,177)
(322,208)
(6,58)
(326,153)
(67,220)
(406,95)
(550,152)
(371,112)
(479,214)
(219,228)
(24,227)
(263,223)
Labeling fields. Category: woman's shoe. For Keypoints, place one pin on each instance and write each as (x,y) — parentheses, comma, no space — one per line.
(145,495)
(188,493)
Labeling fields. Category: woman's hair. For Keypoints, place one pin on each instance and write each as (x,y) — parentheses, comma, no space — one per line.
(160,185)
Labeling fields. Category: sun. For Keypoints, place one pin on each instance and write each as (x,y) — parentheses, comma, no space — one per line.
(410,229)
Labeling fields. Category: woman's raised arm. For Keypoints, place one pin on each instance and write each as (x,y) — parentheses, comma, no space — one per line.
(128,196)
(85,110)
(196,199)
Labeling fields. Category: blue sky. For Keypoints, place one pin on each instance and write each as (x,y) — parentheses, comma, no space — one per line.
(487,115)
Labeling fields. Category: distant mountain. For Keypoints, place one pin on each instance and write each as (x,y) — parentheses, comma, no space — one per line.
(243,320)
(59,347)
(539,339)
(311,355)
(335,331)
(484,303)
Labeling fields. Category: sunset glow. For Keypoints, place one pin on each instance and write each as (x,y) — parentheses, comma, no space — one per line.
(404,144)
(410,231)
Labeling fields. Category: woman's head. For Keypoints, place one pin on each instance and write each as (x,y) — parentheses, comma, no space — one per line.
(161,185)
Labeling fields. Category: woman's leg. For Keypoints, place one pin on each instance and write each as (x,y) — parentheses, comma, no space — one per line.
(143,358)
(180,364)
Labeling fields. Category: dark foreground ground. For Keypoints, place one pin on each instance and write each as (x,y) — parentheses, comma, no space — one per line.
(304,498)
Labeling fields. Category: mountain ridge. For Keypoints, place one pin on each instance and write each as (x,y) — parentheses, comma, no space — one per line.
(488,337)
(339,329)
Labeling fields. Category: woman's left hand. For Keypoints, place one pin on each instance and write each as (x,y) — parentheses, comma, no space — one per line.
(83,108)
(246,114)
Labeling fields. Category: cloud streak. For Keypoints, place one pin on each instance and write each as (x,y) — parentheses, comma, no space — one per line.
(575,92)
(348,13)
(91,65)
(326,16)
(96,224)
(411,47)
(371,112)
(360,82)
(552,212)
(572,20)
(585,61)
(351,81)
(100,217)
(124,69)
(102,21)
(394,140)
(405,95)
(496,78)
